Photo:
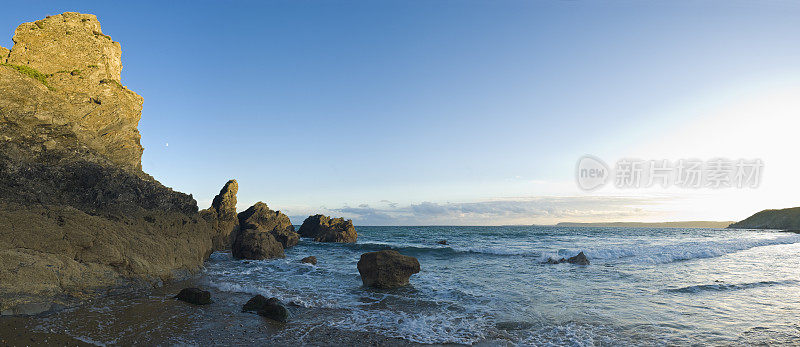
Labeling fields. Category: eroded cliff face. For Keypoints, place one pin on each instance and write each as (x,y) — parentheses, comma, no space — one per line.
(83,68)
(77,214)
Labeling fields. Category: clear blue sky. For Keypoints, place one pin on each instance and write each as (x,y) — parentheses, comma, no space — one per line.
(377,110)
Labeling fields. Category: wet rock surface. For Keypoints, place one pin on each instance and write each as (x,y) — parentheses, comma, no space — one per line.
(579,259)
(194,296)
(309,260)
(271,308)
(386,269)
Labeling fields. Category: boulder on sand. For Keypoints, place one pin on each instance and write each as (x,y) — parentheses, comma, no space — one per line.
(322,228)
(309,260)
(386,269)
(271,308)
(195,296)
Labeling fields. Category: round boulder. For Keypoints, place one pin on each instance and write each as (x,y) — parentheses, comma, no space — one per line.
(386,269)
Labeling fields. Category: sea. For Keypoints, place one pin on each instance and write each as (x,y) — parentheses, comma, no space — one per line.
(490,286)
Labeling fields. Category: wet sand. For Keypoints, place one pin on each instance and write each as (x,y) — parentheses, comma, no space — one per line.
(156,318)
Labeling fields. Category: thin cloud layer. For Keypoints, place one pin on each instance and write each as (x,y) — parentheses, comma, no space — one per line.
(538,210)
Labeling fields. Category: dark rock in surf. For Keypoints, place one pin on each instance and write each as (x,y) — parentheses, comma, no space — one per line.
(554,261)
(194,296)
(255,304)
(309,260)
(442,242)
(271,308)
(325,229)
(579,259)
(386,269)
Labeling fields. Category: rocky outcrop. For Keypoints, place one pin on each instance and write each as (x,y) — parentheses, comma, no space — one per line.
(263,234)
(256,243)
(386,269)
(3,54)
(325,229)
(77,214)
(222,216)
(309,260)
(194,296)
(278,224)
(784,219)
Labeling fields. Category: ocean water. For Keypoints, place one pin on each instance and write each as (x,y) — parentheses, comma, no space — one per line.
(489,285)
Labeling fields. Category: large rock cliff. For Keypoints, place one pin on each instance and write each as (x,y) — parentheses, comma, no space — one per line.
(77,214)
(82,67)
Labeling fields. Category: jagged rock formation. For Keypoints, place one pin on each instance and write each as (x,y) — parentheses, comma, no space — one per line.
(222,216)
(784,219)
(263,234)
(326,229)
(77,214)
(386,269)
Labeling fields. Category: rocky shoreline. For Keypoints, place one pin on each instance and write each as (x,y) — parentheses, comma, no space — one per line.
(78,216)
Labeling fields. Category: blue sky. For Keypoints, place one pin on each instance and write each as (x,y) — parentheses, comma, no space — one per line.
(445,112)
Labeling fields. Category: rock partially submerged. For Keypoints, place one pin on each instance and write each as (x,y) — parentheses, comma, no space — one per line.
(263,234)
(256,243)
(222,216)
(579,259)
(386,269)
(194,296)
(322,228)
(442,242)
(309,260)
(271,308)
